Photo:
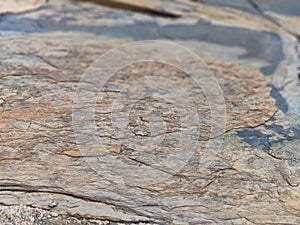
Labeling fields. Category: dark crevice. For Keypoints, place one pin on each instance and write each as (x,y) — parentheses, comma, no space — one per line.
(281,102)
(269,18)
(261,13)
(132,8)
(256,7)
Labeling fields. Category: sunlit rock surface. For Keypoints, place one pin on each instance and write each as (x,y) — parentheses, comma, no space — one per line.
(251,48)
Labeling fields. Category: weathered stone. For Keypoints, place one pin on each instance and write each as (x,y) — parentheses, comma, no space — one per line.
(17,6)
(27,215)
(283,13)
(244,5)
(254,177)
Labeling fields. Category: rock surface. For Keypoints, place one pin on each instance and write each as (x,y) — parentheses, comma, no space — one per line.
(140,173)
(285,14)
(27,216)
(17,6)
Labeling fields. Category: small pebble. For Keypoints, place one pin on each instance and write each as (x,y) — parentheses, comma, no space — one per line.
(141,133)
(52,204)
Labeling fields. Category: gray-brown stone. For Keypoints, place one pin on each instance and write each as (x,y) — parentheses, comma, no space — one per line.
(254,176)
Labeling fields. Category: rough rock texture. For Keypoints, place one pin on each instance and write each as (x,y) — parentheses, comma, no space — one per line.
(27,216)
(254,178)
(17,6)
(283,13)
